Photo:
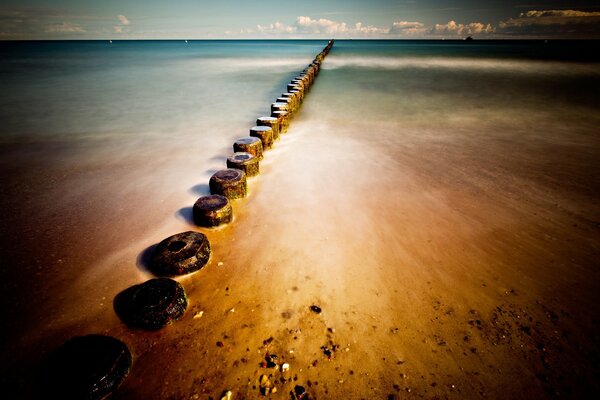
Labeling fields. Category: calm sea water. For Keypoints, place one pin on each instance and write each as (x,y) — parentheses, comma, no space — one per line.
(98,89)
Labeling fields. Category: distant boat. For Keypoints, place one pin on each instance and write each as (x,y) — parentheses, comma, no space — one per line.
(186,41)
(110,41)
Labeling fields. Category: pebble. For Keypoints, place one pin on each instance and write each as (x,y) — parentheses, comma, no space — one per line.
(315,309)
(198,314)
(285,367)
(227,395)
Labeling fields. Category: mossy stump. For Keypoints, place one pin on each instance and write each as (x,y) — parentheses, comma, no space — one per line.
(271,122)
(294,86)
(87,367)
(284,119)
(295,99)
(230,183)
(152,304)
(212,210)
(298,95)
(289,101)
(181,254)
(250,144)
(280,106)
(245,162)
(267,133)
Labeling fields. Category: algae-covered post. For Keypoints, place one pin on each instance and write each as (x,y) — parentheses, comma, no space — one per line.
(181,254)
(152,304)
(249,144)
(86,367)
(230,183)
(212,210)
(245,162)
(283,118)
(266,133)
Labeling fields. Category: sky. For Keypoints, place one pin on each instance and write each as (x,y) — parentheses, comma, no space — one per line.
(248,19)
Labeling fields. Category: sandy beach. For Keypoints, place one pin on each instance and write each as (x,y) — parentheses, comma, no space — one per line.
(447,263)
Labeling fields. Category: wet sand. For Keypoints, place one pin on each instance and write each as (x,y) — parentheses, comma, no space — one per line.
(458,265)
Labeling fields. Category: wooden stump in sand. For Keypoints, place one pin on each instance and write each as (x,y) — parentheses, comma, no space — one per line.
(271,122)
(152,304)
(279,106)
(250,144)
(86,367)
(284,119)
(245,162)
(266,132)
(181,254)
(230,183)
(212,210)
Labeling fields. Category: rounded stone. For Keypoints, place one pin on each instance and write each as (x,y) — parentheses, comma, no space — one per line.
(245,162)
(212,210)
(249,144)
(230,183)
(266,133)
(86,367)
(152,304)
(181,254)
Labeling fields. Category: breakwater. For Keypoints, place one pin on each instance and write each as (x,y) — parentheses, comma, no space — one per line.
(94,366)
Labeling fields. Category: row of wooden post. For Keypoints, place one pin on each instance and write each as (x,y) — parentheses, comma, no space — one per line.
(93,366)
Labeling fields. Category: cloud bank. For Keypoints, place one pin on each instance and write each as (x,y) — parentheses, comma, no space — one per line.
(48,23)
(534,23)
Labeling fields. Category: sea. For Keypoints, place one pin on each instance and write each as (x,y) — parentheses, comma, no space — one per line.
(98,89)
(105,145)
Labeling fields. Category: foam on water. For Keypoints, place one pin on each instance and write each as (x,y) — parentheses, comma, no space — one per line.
(461,63)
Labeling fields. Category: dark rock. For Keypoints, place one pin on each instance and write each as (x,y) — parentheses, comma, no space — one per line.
(315,309)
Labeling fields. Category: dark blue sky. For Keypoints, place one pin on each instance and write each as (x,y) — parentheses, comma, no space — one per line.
(87,19)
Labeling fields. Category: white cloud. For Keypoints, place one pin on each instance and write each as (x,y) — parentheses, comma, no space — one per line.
(322,26)
(407,28)
(64,27)
(123,19)
(545,23)
(359,29)
(306,26)
(123,22)
(277,27)
(455,29)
